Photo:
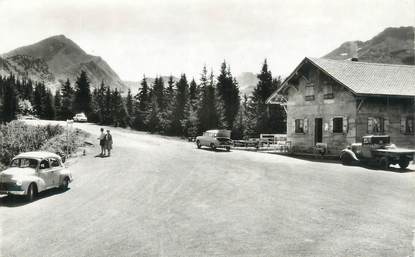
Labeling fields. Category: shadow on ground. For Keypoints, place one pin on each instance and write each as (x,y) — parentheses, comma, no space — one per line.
(217,150)
(16,201)
(365,166)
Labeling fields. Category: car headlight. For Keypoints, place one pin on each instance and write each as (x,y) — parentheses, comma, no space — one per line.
(18,182)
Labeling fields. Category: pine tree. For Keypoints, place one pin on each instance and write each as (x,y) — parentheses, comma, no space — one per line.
(152,119)
(82,100)
(207,112)
(107,113)
(228,93)
(49,106)
(129,103)
(258,112)
(180,101)
(158,91)
(39,100)
(67,100)
(10,102)
(58,104)
(119,114)
(141,106)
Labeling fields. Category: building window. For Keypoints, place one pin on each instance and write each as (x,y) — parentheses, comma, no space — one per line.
(309,92)
(375,125)
(299,126)
(407,125)
(328,92)
(338,125)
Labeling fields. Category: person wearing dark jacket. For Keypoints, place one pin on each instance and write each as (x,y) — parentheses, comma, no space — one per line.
(108,142)
(101,139)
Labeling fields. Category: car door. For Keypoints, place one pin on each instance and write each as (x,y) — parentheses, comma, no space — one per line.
(45,173)
(56,168)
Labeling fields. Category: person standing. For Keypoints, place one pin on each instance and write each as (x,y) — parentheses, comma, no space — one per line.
(108,142)
(101,139)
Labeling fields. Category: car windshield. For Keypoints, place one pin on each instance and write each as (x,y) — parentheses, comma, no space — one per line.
(24,163)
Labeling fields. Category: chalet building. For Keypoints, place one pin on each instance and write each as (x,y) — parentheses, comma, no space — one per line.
(337,102)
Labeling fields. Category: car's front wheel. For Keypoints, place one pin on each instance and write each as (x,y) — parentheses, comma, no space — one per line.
(198,144)
(65,184)
(31,193)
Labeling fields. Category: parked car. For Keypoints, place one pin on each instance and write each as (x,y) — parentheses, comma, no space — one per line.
(80,117)
(33,172)
(217,138)
(377,150)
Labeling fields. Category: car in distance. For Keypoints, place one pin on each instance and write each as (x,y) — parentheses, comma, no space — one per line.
(32,172)
(216,138)
(80,117)
(377,150)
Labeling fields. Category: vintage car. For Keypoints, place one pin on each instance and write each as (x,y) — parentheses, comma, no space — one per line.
(32,172)
(377,150)
(216,138)
(80,117)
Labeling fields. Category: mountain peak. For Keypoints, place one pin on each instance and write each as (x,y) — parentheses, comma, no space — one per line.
(394,45)
(60,58)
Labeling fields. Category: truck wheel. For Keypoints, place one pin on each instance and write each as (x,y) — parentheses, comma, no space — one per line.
(31,193)
(403,164)
(212,145)
(384,163)
(198,144)
(346,159)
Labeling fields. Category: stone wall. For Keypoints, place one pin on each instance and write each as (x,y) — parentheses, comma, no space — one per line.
(343,104)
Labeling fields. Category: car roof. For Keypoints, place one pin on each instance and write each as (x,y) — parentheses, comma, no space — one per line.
(217,130)
(38,155)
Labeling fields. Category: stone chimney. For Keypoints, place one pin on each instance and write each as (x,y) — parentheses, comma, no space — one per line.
(353,51)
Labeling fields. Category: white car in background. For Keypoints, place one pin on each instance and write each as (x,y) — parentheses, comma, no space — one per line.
(215,138)
(80,117)
(33,172)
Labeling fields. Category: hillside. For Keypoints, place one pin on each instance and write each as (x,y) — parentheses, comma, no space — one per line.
(393,45)
(55,59)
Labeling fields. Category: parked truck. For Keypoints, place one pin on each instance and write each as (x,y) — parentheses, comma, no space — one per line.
(377,150)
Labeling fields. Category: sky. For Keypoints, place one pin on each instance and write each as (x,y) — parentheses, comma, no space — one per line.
(158,37)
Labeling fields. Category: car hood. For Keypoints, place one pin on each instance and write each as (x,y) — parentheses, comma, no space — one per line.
(16,173)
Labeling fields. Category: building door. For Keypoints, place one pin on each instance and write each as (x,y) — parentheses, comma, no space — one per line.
(318,130)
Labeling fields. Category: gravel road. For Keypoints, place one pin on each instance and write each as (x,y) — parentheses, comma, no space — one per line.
(160,196)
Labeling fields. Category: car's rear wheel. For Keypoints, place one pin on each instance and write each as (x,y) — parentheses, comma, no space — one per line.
(31,193)
(403,164)
(65,184)
(198,144)
(213,147)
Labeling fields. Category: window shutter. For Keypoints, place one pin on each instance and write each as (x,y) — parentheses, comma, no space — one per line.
(386,125)
(305,125)
(403,125)
(294,128)
(370,125)
(331,125)
(345,125)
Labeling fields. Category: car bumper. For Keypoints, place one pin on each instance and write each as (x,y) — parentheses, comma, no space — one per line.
(12,192)
(11,188)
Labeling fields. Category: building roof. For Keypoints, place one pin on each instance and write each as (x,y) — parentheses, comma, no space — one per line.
(363,78)
(38,155)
